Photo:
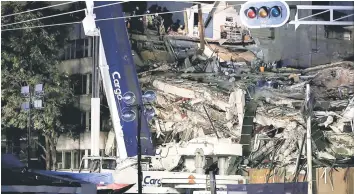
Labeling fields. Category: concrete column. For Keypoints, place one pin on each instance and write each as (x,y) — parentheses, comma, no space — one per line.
(77,159)
(88,83)
(240,104)
(222,165)
(72,160)
(90,46)
(199,161)
(63,159)
(86,161)
(95,126)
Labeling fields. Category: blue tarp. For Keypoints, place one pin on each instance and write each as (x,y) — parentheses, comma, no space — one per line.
(270,188)
(10,161)
(95,178)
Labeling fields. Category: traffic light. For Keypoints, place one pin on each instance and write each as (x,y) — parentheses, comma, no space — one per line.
(264,14)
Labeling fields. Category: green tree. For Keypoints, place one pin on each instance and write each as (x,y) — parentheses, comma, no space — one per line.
(29,57)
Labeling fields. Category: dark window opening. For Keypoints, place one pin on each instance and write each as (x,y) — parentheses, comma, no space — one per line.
(79,83)
(80,44)
(76,49)
(229,19)
(83,119)
(195,19)
(90,84)
(89,124)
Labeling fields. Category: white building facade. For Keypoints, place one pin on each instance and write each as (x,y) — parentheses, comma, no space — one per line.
(225,17)
(77,62)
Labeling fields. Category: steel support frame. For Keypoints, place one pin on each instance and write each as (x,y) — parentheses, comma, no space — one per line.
(332,21)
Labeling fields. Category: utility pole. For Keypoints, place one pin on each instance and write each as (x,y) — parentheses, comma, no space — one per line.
(201,28)
(29,125)
(142,113)
(308,140)
(140,172)
(29,129)
(34,100)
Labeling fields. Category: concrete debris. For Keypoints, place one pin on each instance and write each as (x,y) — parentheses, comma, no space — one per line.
(205,95)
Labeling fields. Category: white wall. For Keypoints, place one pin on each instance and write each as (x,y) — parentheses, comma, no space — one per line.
(83,143)
(219,18)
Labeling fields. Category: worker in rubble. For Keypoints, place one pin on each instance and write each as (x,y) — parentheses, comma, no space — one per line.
(180,30)
(176,25)
(167,17)
(158,21)
(150,19)
(158,9)
(162,28)
(146,19)
(139,20)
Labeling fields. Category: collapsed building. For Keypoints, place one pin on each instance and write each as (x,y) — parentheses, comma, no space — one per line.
(225,90)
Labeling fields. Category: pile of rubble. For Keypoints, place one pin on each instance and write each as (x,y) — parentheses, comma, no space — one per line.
(220,93)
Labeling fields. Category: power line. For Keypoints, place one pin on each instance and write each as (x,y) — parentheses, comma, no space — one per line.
(155,13)
(105,19)
(42,26)
(38,9)
(60,14)
(109,4)
(43,17)
(133,16)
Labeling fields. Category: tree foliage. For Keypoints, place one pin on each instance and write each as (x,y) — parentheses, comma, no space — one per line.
(32,56)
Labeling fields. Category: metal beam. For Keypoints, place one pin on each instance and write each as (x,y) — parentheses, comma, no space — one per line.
(332,21)
(211,14)
(323,7)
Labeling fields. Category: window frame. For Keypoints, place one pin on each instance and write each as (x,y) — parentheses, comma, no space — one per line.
(74,47)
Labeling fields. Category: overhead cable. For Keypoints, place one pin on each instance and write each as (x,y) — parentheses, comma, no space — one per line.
(45,17)
(104,19)
(42,26)
(56,5)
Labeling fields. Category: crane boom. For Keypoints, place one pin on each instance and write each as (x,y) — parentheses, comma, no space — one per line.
(119,76)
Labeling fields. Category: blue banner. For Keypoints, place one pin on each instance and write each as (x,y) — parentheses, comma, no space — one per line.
(123,72)
(94,178)
(269,188)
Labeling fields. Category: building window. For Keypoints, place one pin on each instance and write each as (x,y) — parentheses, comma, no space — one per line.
(79,82)
(229,19)
(59,160)
(89,83)
(77,159)
(102,152)
(83,119)
(67,163)
(195,21)
(77,49)
(347,36)
(89,121)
